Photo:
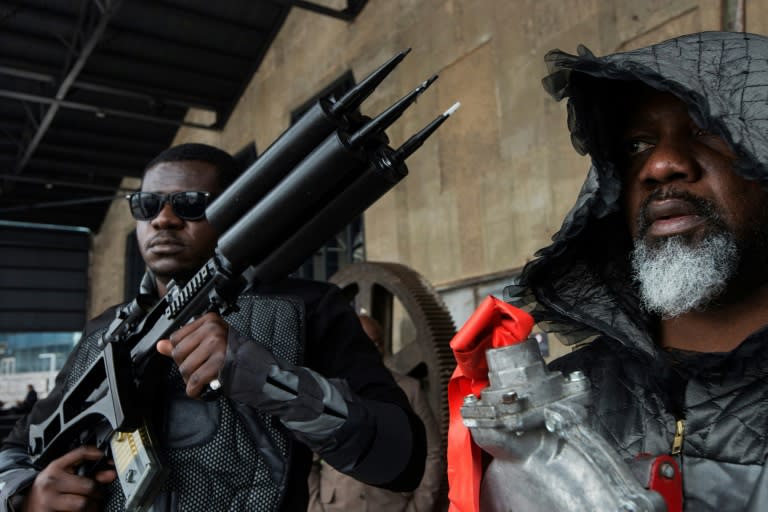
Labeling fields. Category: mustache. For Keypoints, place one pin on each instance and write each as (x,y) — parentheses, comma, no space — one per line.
(164,237)
(699,206)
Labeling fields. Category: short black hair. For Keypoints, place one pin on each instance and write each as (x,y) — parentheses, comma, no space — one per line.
(227,167)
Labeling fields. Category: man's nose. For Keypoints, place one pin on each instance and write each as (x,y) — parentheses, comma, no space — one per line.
(167,218)
(671,160)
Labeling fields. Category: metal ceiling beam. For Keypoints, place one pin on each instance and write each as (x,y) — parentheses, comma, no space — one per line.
(222,74)
(150,97)
(107,12)
(97,111)
(55,83)
(52,21)
(56,204)
(79,185)
(95,155)
(26,74)
(348,14)
(121,142)
(80,169)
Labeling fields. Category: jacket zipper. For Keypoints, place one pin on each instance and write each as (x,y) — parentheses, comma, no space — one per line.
(677,442)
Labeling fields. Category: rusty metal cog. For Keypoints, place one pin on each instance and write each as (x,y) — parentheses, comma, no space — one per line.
(423,350)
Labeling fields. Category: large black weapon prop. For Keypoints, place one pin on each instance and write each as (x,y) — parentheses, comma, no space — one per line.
(311,182)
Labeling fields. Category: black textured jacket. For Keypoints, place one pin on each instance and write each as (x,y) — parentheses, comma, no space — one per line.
(580,286)
(382,442)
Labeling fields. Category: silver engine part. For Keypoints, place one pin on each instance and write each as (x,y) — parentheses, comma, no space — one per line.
(532,422)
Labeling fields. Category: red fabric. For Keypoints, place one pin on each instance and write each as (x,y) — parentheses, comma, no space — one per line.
(494,324)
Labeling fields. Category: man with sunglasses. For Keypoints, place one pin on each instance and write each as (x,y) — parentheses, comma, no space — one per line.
(250,448)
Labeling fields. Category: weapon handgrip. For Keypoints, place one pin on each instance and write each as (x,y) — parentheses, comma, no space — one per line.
(106,401)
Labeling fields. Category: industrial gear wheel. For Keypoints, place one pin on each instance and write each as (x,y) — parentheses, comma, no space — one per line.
(421,326)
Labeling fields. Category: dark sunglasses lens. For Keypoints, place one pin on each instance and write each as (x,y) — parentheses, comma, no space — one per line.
(145,205)
(189,205)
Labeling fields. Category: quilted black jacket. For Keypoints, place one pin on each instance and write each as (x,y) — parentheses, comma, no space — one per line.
(578,286)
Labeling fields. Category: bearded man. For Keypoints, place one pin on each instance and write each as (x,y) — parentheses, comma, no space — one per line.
(662,263)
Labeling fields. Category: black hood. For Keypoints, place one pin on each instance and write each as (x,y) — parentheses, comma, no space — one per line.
(577,285)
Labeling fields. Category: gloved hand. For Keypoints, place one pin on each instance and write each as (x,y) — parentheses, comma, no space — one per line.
(303,400)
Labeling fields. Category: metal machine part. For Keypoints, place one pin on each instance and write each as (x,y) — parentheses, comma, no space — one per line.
(138,468)
(426,354)
(532,421)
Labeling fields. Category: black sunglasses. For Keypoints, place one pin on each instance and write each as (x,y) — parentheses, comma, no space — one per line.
(185,205)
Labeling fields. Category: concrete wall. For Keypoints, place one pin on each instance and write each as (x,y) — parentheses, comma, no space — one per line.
(107,260)
(494,183)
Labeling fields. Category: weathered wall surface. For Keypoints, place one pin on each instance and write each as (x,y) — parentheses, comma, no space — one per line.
(108,258)
(494,183)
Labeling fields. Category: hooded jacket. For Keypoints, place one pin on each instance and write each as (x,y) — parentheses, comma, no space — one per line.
(707,409)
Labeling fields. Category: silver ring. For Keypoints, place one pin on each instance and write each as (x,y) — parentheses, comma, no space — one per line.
(215,384)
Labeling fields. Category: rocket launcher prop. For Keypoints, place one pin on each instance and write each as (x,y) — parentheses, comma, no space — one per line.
(313,180)
(320,121)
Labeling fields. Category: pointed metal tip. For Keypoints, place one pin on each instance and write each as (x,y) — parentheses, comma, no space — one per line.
(416,140)
(423,86)
(355,96)
(453,109)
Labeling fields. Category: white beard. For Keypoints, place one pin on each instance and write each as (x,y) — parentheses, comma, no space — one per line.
(676,276)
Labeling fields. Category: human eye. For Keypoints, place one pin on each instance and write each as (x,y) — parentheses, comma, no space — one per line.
(633,147)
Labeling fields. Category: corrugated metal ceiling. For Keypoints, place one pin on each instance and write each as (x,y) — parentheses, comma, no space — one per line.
(90,90)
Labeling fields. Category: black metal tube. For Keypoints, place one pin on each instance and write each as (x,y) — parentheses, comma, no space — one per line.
(416,140)
(386,169)
(291,147)
(274,164)
(382,174)
(286,207)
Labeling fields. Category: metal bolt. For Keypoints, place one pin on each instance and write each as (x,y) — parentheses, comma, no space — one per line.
(552,424)
(470,399)
(667,470)
(509,397)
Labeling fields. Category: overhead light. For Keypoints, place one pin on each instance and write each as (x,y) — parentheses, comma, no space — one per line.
(100,114)
(48,186)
